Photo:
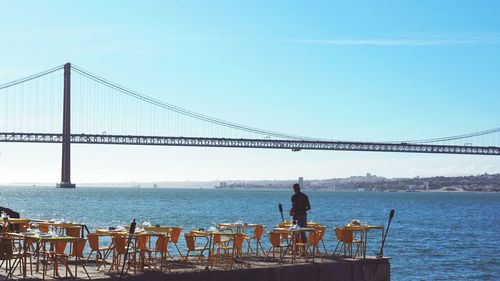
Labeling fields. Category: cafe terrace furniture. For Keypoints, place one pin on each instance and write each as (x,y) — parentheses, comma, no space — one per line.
(99,251)
(275,238)
(350,235)
(295,234)
(140,252)
(257,235)
(192,244)
(226,252)
(311,246)
(7,255)
(161,248)
(346,241)
(76,254)
(174,233)
(50,248)
(11,224)
(236,227)
(321,233)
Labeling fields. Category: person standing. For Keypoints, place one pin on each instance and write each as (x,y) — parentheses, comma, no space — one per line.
(300,206)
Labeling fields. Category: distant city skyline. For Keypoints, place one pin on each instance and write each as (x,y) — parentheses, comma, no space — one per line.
(350,71)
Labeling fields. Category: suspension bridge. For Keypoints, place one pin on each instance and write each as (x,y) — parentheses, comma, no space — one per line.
(68,104)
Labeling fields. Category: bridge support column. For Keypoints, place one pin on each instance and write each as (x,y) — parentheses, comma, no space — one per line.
(66,135)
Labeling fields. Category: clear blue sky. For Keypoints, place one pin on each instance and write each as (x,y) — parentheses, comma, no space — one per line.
(354,70)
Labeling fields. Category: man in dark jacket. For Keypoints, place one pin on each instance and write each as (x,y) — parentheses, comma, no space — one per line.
(300,206)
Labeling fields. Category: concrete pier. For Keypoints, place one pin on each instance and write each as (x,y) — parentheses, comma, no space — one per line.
(331,269)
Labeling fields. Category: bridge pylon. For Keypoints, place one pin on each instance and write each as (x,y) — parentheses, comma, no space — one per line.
(66,135)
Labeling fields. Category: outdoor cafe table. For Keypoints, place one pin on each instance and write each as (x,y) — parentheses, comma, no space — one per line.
(238,227)
(363,233)
(6,222)
(63,225)
(295,235)
(41,241)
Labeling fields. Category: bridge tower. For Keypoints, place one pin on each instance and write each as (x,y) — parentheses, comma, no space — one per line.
(66,135)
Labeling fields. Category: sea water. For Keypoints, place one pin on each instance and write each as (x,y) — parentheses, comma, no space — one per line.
(433,236)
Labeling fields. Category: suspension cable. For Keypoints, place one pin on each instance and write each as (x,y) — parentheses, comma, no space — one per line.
(185,111)
(34,76)
(456,137)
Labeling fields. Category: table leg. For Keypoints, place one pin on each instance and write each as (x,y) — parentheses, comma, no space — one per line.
(365,243)
(209,252)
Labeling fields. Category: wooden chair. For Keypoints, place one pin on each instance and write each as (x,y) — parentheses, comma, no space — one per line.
(6,256)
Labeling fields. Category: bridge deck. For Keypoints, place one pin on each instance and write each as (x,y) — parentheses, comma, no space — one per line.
(294,145)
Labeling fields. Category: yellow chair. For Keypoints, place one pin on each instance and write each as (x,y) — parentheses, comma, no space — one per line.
(73,231)
(55,255)
(100,252)
(345,238)
(257,235)
(231,250)
(77,254)
(175,233)
(119,250)
(191,247)
(311,246)
(161,246)
(276,243)
(143,251)
(320,230)
(217,247)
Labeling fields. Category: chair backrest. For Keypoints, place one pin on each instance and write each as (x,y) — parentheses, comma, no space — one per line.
(119,244)
(320,230)
(338,234)
(78,247)
(313,239)
(23,226)
(73,231)
(190,241)
(142,242)
(275,239)
(93,241)
(175,232)
(347,236)
(161,244)
(60,247)
(259,230)
(216,239)
(43,227)
(5,249)
(238,241)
